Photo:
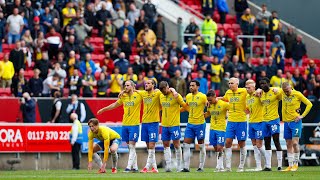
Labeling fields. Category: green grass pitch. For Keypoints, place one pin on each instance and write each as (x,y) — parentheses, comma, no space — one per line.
(302,173)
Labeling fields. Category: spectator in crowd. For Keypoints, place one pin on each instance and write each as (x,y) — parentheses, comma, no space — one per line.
(6,72)
(174,66)
(273,24)
(2,29)
(277,80)
(150,36)
(74,83)
(38,11)
(75,106)
(178,83)
(115,50)
(149,63)
(46,19)
(88,82)
(19,84)
(108,34)
(207,7)
(43,65)
(71,45)
(75,140)
(150,11)
(56,25)
(224,83)
(289,79)
(39,45)
(261,67)
(199,42)
(240,6)
(35,85)
(28,108)
(209,29)
(50,85)
(61,72)
(239,51)
(118,16)
(187,66)
(27,53)
(68,13)
(159,28)
(205,66)
(298,51)
(164,76)
(300,82)
(141,82)
(72,63)
(53,42)
(150,76)
(88,62)
(16,56)
(54,11)
(263,17)
(271,68)
(289,40)
(89,15)
(15,26)
(130,75)
(223,10)
(218,50)
(122,63)
(140,22)
(216,76)
(102,85)
(82,30)
(190,29)
(85,48)
(29,12)
(203,82)
(249,67)
(127,30)
(239,67)
(27,38)
(280,32)
(227,65)
(116,80)
(222,37)
(247,23)
(314,87)
(191,50)
(137,66)
(133,14)
(174,50)
(56,108)
(311,69)
(277,51)
(37,28)
(161,63)
(125,46)
(108,62)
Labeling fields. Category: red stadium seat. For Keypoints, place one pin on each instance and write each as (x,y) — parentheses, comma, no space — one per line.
(5,92)
(230,19)
(194,75)
(220,26)
(227,27)
(28,74)
(1,56)
(236,28)
(216,18)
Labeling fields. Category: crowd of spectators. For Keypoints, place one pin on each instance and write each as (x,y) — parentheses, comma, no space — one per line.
(54,39)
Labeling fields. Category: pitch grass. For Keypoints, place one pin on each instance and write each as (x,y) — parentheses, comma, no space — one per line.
(302,173)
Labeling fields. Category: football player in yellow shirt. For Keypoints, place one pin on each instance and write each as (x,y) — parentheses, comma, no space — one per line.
(291,100)
(196,127)
(171,123)
(255,111)
(271,125)
(131,102)
(107,138)
(237,122)
(218,112)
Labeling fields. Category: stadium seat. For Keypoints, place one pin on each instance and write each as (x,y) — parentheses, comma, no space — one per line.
(1,56)
(230,19)
(216,17)
(28,74)
(220,26)
(236,28)
(5,92)
(227,27)
(194,75)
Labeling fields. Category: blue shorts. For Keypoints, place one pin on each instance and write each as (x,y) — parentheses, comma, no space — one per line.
(130,133)
(150,132)
(255,130)
(217,137)
(271,127)
(292,129)
(193,131)
(237,129)
(171,133)
(113,141)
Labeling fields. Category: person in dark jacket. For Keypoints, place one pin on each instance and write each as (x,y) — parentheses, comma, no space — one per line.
(103,85)
(56,108)
(28,108)
(35,84)
(190,29)
(298,51)
(16,56)
(150,10)
(207,6)
(159,28)
(128,29)
(239,7)
(19,84)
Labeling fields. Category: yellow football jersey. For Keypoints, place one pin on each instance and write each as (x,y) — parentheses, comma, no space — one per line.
(131,108)
(218,114)
(170,109)
(196,105)
(237,102)
(151,106)
(270,103)
(255,107)
(291,105)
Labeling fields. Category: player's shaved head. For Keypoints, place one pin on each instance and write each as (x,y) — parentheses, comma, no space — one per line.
(286,87)
(250,86)
(250,82)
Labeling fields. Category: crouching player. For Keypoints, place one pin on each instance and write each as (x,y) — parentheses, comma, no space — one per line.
(107,138)
(218,112)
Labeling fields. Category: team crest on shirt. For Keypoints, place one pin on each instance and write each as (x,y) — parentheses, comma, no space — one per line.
(170,99)
(270,94)
(197,98)
(219,107)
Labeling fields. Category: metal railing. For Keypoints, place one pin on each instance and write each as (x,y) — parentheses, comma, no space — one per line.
(251,37)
